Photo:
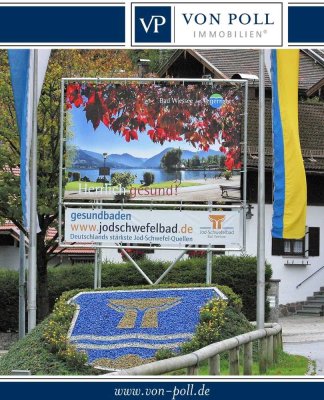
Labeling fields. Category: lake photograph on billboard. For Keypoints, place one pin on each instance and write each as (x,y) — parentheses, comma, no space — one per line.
(155,141)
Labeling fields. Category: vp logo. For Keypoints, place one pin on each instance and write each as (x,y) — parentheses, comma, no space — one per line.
(152,24)
(156,20)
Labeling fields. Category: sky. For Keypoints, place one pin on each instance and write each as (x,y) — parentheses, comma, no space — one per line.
(103,140)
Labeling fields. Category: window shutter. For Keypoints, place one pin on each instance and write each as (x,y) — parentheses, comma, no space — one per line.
(277,247)
(314,241)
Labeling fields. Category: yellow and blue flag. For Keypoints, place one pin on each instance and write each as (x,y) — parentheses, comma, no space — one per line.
(289,179)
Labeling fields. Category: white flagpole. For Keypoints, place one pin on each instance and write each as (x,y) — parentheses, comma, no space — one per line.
(32,267)
(261,201)
(22,300)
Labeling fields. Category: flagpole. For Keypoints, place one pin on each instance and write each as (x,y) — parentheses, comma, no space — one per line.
(261,201)
(32,267)
(22,300)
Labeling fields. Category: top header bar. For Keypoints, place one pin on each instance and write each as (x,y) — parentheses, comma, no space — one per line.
(166,24)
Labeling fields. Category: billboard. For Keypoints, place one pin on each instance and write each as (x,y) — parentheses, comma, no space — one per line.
(165,141)
(162,227)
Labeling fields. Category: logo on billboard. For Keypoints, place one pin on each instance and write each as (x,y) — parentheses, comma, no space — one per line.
(217,221)
(153,24)
(216,100)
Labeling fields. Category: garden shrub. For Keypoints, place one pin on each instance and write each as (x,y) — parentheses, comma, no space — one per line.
(238,273)
(148,178)
(76,176)
(9,299)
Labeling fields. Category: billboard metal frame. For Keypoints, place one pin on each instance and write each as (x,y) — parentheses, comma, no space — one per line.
(242,204)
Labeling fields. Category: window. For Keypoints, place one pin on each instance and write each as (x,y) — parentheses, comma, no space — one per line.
(308,246)
(6,240)
(294,247)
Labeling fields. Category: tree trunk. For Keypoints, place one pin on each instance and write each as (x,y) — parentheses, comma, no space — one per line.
(42,281)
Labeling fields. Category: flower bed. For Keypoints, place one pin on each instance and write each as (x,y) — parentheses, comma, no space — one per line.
(119,328)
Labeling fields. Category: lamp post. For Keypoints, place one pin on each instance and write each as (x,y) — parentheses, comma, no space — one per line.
(179,166)
(105,155)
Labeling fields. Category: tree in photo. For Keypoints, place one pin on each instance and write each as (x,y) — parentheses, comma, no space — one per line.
(123,179)
(171,159)
(148,178)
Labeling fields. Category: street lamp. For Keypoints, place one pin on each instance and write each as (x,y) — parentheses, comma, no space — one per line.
(179,166)
(105,155)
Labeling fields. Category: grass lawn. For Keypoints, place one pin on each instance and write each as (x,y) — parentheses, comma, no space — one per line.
(166,184)
(287,365)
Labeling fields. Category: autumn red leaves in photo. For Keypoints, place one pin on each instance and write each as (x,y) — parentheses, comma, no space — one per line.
(166,113)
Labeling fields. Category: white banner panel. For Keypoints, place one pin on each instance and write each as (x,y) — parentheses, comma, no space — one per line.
(162,227)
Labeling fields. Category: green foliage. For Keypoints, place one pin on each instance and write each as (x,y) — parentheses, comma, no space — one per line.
(219,320)
(31,353)
(171,159)
(76,176)
(164,353)
(148,178)
(238,273)
(55,334)
(228,175)
(233,299)
(124,179)
(8,300)
(212,320)
(157,57)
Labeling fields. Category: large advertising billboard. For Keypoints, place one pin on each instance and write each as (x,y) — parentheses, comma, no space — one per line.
(157,141)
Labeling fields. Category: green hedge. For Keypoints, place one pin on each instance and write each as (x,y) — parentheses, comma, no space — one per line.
(9,300)
(239,273)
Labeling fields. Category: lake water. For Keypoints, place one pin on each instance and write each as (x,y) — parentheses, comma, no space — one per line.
(159,174)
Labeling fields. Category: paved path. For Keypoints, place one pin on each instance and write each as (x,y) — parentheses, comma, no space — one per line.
(305,336)
(208,189)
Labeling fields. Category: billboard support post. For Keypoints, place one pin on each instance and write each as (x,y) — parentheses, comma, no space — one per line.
(261,203)
(137,266)
(245,162)
(99,267)
(209,258)
(170,267)
(95,280)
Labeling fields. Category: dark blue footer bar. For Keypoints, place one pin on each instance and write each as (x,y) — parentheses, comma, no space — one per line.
(193,390)
(59,24)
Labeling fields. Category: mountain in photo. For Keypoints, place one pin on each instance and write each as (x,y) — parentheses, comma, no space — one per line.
(86,159)
(155,161)
(89,159)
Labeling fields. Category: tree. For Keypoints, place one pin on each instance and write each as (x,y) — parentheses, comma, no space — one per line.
(148,178)
(171,159)
(122,178)
(157,57)
(63,63)
(195,161)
